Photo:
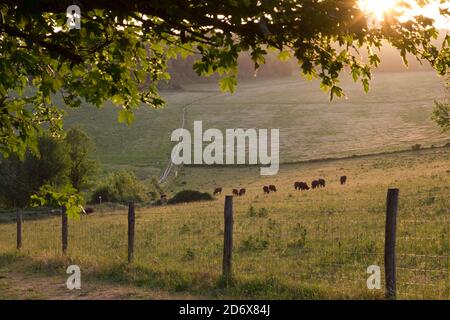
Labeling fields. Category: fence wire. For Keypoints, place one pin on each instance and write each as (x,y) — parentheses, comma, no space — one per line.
(290,253)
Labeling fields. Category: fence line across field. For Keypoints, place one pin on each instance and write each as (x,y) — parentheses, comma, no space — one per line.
(400,261)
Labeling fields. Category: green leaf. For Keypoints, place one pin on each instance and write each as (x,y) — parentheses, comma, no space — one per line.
(228,84)
(284,56)
(365,83)
(126,116)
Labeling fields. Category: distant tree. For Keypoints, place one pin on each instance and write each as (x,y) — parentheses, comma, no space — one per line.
(20,178)
(80,147)
(14,188)
(441,110)
(50,166)
(441,114)
(121,187)
(122,49)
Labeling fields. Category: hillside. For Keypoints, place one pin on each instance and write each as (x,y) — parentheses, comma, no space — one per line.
(394,115)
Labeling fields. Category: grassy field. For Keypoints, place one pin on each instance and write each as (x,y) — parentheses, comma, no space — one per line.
(394,115)
(293,245)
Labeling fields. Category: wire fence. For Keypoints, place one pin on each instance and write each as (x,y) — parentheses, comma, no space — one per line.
(284,255)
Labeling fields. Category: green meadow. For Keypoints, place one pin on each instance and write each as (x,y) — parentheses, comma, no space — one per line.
(290,244)
(394,115)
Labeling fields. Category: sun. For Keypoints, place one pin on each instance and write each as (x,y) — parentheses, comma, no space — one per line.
(377,9)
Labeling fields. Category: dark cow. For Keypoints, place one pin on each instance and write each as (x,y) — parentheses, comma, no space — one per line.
(89,210)
(343,180)
(242,192)
(217,191)
(321,183)
(315,184)
(272,188)
(163,198)
(235,192)
(301,186)
(266,189)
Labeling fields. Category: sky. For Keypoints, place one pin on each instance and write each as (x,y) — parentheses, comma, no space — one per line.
(378,9)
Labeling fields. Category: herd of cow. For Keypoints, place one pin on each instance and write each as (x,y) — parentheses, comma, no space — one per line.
(303,186)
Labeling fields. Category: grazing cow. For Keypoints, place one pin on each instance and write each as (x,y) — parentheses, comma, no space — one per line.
(85,211)
(217,191)
(315,184)
(163,198)
(321,183)
(235,192)
(301,186)
(343,180)
(266,189)
(242,192)
(272,188)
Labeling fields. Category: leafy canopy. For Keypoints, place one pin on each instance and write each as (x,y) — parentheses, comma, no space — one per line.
(121,51)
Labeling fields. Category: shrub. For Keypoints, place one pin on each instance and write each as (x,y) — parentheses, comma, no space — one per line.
(254,243)
(416,147)
(300,241)
(121,187)
(261,213)
(190,196)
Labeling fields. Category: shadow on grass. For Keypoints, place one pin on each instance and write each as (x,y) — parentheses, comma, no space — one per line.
(28,214)
(194,283)
(202,284)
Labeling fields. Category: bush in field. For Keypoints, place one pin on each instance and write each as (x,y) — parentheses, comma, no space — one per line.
(190,196)
(261,213)
(122,187)
(254,243)
(300,237)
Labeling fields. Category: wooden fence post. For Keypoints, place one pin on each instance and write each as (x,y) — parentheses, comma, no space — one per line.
(64,229)
(228,239)
(389,244)
(19,229)
(131,225)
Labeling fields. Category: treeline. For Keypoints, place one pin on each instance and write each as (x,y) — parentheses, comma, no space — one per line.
(182,72)
(64,162)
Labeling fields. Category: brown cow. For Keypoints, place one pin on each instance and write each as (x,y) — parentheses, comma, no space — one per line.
(242,192)
(235,192)
(315,184)
(217,191)
(321,183)
(266,189)
(343,180)
(272,188)
(89,210)
(301,186)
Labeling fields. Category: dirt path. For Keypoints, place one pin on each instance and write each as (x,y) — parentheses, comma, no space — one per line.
(15,285)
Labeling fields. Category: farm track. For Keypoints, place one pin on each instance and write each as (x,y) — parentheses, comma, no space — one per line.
(16,282)
(168,169)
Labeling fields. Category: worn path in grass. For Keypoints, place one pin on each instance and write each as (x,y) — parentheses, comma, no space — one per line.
(16,282)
